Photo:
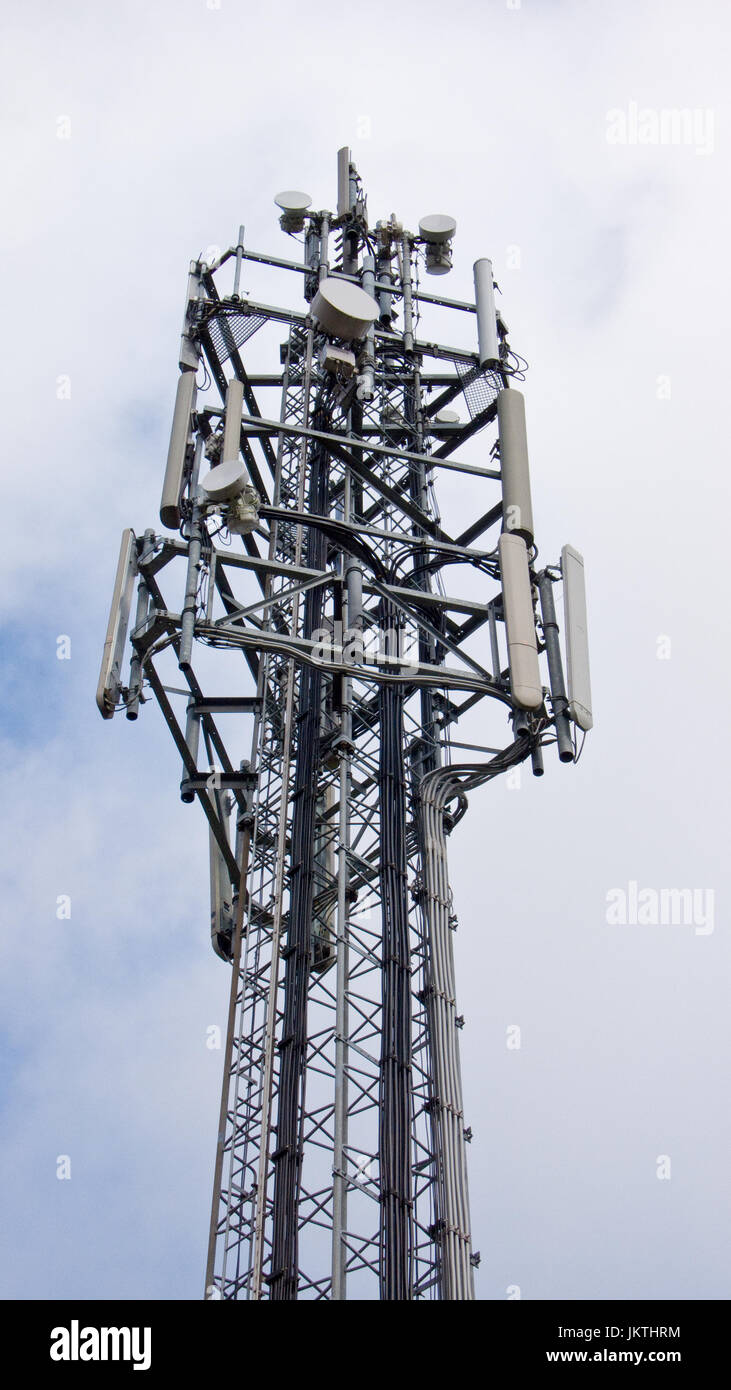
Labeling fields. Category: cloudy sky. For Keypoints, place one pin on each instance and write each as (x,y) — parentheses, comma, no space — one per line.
(136,136)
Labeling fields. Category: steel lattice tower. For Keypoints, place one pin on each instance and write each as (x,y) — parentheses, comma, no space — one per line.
(339,633)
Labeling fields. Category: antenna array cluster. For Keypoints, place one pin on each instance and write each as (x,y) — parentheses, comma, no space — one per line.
(313,635)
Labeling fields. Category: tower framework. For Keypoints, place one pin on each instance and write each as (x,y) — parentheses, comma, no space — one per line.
(329,634)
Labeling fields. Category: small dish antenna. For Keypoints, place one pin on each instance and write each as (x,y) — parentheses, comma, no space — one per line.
(225,481)
(437,231)
(294,205)
(343,310)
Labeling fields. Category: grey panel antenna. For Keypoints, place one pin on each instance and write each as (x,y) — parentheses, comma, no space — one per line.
(232,426)
(577,645)
(110,685)
(177,450)
(343,181)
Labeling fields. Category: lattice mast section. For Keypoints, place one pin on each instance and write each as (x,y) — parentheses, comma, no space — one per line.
(310,550)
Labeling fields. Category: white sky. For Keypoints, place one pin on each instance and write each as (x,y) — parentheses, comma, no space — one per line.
(184,122)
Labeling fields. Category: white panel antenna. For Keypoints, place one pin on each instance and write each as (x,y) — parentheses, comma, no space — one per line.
(178,449)
(577,645)
(110,684)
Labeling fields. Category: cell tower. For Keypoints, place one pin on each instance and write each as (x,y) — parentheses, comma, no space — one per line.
(323,618)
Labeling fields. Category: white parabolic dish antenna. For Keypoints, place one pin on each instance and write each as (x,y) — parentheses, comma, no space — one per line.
(224,481)
(343,309)
(437,227)
(293,201)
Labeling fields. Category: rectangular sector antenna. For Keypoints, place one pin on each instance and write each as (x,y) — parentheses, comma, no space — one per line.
(177,450)
(577,645)
(110,684)
(344,181)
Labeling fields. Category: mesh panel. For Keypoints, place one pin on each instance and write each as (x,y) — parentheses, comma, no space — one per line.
(229,331)
(479,387)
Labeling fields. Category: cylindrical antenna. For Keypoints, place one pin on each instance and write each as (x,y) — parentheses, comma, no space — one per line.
(366,379)
(354,590)
(408,309)
(324,248)
(222,907)
(239,259)
(487,338)
(192,739)
(383,268)
(187,617)
(514,470)
(525,678)
(312,258)
(555,669)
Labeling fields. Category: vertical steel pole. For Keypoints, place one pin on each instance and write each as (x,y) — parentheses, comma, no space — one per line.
(342,966)
(195,545)
(210,1287)
(143,604)
(266,1126)
(239,259)
(555,669)
(408,308)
